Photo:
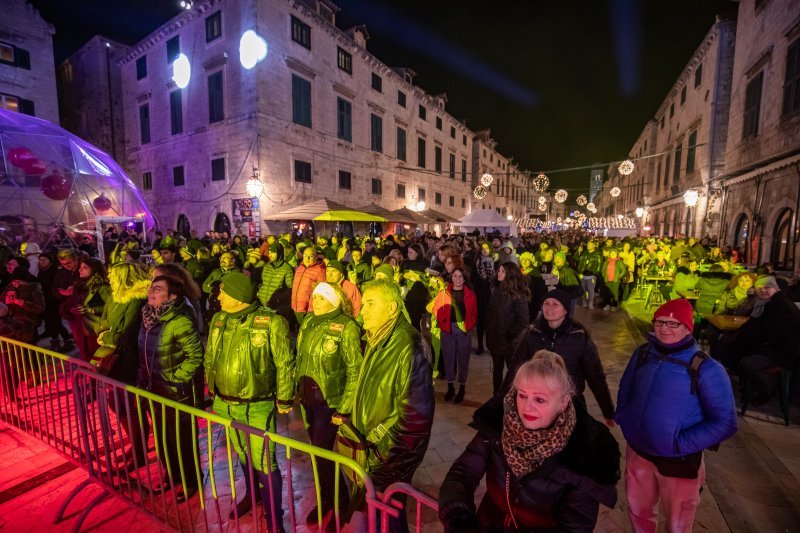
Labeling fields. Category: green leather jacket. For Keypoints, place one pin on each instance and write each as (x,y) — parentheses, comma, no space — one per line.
(393,404)
(329,352)
(248,357)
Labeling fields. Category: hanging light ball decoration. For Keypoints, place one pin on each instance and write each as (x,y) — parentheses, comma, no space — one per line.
(56,186)
(101,203)
(593,209)
(590,206)
(615,191)
(542,200)
(561,196)
(541,182)
(480,192)
(542,207)
(626,167)
(581,200)
(487,179)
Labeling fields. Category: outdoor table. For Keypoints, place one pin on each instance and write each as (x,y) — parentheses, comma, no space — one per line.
(726,322)
(690,294)
(654,296)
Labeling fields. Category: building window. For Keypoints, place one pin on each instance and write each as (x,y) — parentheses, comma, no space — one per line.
(463,203)
(400,191)
(452,166)
(666,171)
(214,26)
(420,194)
(9,103)
(698,75)
(791,84)
(683,95)
(344,60)
(178,179)
(464,170)
(376,133)
(216,111)
(676,171)
(452,201)
(218,169)
(144,123)
(141,68)
(344,119)
(301,101)
(7,56)
(173,48)
(672,110)
(301,32)
(176,112)
(302,171)
(345,180)
(437,158)
(438,123)
(377,186)
(401,98)
(421,152)
(691,150)
(464,140)
(452,132)
(437,198)
(401,144)
(422,112)
(752,106)
(377,82)
(147,181)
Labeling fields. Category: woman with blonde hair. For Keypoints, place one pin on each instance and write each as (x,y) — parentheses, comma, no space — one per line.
(548,464)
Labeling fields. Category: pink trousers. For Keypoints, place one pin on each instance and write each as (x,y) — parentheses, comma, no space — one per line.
(644,487)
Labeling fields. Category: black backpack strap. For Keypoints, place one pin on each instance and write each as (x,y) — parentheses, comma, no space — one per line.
(692,367)
(641,354)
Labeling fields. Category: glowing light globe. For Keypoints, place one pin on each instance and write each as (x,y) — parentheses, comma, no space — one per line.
(590,206)
(626,167)
(639,212)
(561,196)
(252,49)
(690,198)
(181,71)
(615,191)
(542,200)
(581,200)
(487,179)
(541,182)
(542,207)
(480,192)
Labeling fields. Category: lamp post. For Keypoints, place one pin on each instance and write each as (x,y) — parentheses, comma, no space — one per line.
(254,185)
(690,198)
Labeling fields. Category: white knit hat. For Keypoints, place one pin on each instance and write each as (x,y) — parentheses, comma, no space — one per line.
(327,292)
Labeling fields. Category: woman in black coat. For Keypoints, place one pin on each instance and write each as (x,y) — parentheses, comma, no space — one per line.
(506,317)
(548,464)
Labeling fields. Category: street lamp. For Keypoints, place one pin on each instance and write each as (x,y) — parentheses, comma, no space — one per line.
(639,212)
(254,185)
(690,198)
(421,206)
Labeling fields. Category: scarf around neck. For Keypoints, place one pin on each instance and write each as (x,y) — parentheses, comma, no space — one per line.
(150,314)
(526,449)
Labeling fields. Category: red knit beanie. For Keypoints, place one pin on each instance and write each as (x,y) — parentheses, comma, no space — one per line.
(680,310)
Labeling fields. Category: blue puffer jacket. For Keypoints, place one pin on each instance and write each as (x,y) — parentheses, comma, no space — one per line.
(656,410)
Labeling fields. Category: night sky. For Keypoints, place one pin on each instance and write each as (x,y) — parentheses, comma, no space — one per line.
(561,84)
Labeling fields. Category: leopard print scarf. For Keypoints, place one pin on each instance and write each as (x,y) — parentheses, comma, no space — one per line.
(150,314)
(526,449)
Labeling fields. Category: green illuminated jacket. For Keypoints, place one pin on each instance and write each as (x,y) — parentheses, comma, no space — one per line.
(248,357)
(329,352)
(393,404)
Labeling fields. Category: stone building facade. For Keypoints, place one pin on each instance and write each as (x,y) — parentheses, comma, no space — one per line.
(317,117)
(762,160)
(90,94)
(509,193)
(27,72)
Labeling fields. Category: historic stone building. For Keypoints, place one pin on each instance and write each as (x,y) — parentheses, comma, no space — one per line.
(510,193)
(90,94)
(27,72)
(316,117)
(683,147)
(762,160)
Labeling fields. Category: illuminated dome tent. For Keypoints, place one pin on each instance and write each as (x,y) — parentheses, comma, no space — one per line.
(61,181)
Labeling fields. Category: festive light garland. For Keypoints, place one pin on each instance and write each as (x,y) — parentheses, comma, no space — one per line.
(626,167)
(487,179)
(541,183)
(480,192)
(561,196)
(581,200)
(590,206)
(615,191)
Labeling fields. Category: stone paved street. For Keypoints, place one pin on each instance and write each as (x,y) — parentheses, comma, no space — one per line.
(752,482)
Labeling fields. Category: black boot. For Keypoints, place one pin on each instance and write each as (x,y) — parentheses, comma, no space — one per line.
(246,505)
(277,498)
(450,392)
(460,395)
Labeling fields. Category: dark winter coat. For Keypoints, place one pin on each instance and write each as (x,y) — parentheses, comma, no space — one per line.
(572,342)
(506,318)
(710,285)
(563,494)
(774,333)
(171,356)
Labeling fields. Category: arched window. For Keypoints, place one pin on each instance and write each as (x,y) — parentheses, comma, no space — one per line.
(741,236)
(782,253)
(183,226)
(222,223)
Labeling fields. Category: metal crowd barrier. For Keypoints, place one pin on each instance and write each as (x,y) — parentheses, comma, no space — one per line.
(139,447)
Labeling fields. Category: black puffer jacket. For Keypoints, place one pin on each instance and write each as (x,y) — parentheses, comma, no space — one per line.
(773,334)
(563,494)
(572,342)
(505,320)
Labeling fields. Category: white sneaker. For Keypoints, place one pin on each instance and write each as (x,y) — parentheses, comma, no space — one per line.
(607,308)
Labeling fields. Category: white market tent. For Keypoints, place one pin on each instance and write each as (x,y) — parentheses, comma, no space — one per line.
(486,220)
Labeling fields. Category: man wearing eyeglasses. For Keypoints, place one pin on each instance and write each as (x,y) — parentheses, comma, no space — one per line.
(674,401)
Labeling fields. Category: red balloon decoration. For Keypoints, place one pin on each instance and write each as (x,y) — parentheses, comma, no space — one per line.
(56,186)
(101,203)
(35,168)
(21,157)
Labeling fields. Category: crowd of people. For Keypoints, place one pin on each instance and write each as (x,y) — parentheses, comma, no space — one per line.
(357,330)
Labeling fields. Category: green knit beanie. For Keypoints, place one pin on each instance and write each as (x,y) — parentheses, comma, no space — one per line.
(238,286)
